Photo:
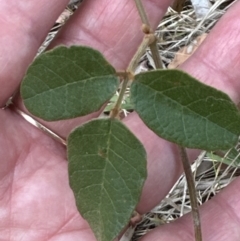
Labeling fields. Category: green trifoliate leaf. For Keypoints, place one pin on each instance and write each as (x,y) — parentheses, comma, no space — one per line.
(180,109)
(107,169)
(68,82)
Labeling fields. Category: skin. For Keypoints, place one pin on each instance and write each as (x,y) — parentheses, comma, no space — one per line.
(36,202)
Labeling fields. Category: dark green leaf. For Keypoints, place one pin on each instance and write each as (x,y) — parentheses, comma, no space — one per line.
(180,109)
(68,82)
(107,169)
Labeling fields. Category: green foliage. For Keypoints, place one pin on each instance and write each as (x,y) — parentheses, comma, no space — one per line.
(107,169)
(180,109)
(107,163)
(68,82)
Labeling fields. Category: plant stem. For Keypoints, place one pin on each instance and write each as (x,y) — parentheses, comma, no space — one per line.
(156,57)
(148,39)
(142,12)
(192,192)
(147,30)
(115,111)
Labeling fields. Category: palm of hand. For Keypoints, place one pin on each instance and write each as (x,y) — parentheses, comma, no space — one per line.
(36,202)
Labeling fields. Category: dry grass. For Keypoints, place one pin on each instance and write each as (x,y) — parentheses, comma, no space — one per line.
(59,23)
(179,30)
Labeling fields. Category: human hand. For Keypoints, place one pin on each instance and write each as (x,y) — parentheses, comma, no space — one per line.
(36,202)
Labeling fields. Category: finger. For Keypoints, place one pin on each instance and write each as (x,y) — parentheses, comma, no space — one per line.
(112,27)
(33,178)
(219,219)
(24,25)
(215,63)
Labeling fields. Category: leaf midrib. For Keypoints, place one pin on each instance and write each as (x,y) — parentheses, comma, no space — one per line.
(66,85)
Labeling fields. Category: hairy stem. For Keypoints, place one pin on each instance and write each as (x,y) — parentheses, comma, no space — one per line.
(147,40)
(192,192)
(142,12)
(156,57)
(115,111)
(147,31)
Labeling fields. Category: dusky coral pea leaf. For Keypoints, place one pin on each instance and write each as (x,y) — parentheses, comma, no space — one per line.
(181,109)
(68,82)
(107,169)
